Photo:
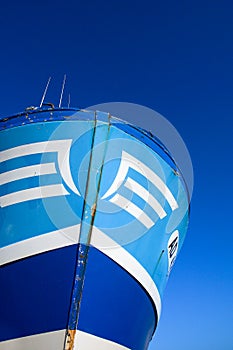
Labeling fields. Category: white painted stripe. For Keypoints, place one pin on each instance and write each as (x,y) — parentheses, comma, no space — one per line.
(127,162)
(153,177)
(146,196)
(39,244)
(132,209)
(33,193)
(26,172)
(117,253)
(62,147)
(34,148)
(44,341)
(87,341)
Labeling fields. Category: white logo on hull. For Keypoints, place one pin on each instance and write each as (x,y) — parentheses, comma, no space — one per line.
(61,147)
(127,162)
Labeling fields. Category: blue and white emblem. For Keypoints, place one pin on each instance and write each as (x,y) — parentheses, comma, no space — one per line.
(124,179)
(62,150)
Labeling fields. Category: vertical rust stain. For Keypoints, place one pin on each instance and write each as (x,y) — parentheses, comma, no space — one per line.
(69,344)
(82,254)
(93,210)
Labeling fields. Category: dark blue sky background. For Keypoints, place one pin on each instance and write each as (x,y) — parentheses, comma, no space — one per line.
(175,57)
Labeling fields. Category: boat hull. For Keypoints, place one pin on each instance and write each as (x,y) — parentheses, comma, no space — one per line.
(93,214)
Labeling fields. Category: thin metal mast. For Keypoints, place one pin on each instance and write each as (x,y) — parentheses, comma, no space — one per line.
(62,90)
(45,91)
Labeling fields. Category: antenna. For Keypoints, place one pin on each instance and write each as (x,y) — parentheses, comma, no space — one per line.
(69,101)
(45,91)
(62,90)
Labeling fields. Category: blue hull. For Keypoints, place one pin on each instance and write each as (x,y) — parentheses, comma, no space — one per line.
(93,214)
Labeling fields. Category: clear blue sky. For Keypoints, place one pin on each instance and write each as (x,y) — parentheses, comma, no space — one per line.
(175,57)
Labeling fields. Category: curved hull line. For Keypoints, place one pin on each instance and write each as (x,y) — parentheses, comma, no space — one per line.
(55,341)
(84,341)
(117,253)
(69,236)
(40,244)
(44,287)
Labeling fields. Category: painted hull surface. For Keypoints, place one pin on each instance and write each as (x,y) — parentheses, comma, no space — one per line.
(93,214)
